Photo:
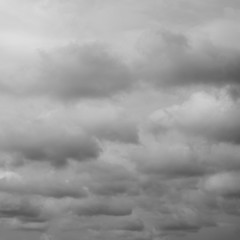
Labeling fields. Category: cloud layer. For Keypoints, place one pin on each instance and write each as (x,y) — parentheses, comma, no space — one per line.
(119,119)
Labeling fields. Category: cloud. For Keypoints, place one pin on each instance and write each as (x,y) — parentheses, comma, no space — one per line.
(55,145)
(104,206)
(19,207)
(105,121)
(74,72)
(43,182)
(109,179)
(168,161)
(109,223)
(224,184)
(215,118)
(117,127)
(178,60)
(30,226)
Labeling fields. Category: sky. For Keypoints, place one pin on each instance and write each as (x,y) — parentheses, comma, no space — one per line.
(119,119)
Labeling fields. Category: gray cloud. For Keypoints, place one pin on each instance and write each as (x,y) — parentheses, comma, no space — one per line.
(173,162)
(224,184)
(174,61)
(109,223)
(165,161)
(75,72)
(112,180)
(19,207)
(55,146)
(104,206)
(42,183)
(214,118)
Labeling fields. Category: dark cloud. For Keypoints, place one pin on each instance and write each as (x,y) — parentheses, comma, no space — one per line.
(117,169)
(112,180)
(30,226)
(52,145)
(174,61)
(19,207)
(111,223)
(224,157)
(121,130)
(181,226)
(104,206)
(75,72)
(173,162)
(180,219)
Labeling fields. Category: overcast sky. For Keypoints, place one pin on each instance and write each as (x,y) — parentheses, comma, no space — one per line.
(119,119)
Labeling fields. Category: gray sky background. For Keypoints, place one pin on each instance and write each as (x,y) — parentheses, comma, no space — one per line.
(119,119)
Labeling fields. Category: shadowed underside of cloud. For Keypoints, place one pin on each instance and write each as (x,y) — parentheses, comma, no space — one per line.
(213,118)
(20,207)
(171,162)
(104,206)
(55,146)
(225,184)
(175,60)
(42,184)
(74,72)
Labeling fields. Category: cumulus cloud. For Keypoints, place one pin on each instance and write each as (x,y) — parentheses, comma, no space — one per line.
(212,117)
(177,61)
(105,121)
(173,161)
(25,136)
(56,147)
(224,184)
(110,223)
(20,207)
(42,182)
(104,206)
(117,127)
(75,72)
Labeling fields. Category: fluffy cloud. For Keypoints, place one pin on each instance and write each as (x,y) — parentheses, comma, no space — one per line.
(75,72)
(117,127)
(213,117)
(43,182)
(104,206)
(178,60)
(173,161)
(55,146)
(21,208)
(224,184)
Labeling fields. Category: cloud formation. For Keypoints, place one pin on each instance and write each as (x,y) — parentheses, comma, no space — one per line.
(119,120)
(89,71)
(176,60)
(206,115)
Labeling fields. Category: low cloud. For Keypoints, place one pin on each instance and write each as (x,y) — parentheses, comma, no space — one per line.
(224,184)
(20,207)
(75,72)
(55,146)
(173,162)
(175,60)
(117,127)
(43,183)
(205,115)
(104,206)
